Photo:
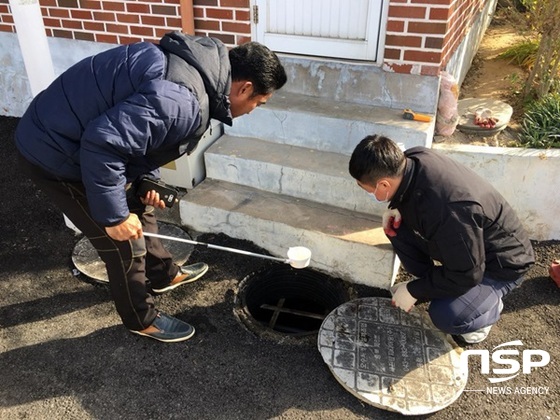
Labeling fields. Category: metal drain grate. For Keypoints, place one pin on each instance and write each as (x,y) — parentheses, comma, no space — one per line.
(285,302)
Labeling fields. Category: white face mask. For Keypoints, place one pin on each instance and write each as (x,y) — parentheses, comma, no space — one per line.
(374,198)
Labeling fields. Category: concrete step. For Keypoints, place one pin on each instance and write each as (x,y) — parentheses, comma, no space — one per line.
(295,171)
(328,126)
(359,82)
(344,244)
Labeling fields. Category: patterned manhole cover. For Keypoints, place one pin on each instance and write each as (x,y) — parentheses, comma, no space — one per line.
(87,261)
(391,359)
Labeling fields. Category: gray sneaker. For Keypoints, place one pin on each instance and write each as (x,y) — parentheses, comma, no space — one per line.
(168,329)
(186,274)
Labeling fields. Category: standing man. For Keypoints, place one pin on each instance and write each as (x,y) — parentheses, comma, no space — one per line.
(451,230)
(116,117)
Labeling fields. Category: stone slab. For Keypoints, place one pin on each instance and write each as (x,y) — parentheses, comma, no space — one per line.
(467,107)
(87,261)
(391,359)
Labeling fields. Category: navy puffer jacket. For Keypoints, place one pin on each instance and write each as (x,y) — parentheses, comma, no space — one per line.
(114,116)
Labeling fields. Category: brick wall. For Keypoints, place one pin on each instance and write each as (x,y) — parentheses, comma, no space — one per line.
(125,21)
(421,34)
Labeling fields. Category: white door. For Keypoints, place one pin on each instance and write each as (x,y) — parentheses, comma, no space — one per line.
(327,28)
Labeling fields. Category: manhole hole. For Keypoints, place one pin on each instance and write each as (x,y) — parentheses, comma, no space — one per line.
(284,303)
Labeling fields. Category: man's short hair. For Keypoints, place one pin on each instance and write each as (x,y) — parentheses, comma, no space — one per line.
(259,65)
(376,157)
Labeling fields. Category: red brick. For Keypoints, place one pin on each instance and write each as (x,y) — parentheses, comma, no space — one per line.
(422,56)
(219,13)
(90,4)
(426,28)
(108,39)
(400,68)
(403,41)
(395,26)
(160,32)
(81,14)
(68,3)
(234,3)
(434,1)
(440,13)
(84,36)
(104,16)
(137,8)
(198,12)
(7,28)
(128,18)
(242,28)
(208,25)
(8,19)
(61,13)
(407,12)
(430,70)
(242,39)
(123,40)
(152,20)
(47,3)
(116,28)
(205,3)
(165,10)
(432,42)
(94,26)
(242,15)
(141,30)
(59,33)
(71,24)
(113,5)
(225,38)
(173,22)
(392,54)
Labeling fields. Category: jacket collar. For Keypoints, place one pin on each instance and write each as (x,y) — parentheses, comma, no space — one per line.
(404,189)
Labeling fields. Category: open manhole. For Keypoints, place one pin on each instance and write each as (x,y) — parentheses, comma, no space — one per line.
(284,303)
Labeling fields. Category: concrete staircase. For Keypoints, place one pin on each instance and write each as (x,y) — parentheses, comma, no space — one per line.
(279,178)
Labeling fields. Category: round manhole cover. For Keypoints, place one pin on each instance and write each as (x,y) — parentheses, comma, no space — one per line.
(287,304)
(87,261)
(391,359)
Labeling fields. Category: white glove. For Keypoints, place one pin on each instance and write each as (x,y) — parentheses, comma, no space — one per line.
(402,297)
(391,221)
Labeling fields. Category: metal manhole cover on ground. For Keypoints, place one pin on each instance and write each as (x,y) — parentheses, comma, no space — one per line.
(87,261)
(391,359)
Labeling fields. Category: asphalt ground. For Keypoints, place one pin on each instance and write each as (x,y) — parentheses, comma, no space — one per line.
(65,355)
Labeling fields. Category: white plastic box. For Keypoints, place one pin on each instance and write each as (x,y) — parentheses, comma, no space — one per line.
(189,171)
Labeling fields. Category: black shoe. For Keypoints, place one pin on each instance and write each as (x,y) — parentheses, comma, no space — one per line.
(186,274)
(169,329)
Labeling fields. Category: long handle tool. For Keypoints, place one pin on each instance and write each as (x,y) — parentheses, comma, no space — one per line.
(221,248)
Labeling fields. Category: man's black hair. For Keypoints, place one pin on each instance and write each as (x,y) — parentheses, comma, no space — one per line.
(259,65)
(376,157)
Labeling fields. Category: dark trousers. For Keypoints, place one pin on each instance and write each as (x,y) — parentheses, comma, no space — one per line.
(129,263)
(475,309)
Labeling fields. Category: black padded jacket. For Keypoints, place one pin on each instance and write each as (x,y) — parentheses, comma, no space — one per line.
(453,216)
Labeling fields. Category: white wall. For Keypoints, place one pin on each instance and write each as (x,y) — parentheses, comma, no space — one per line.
(527,178)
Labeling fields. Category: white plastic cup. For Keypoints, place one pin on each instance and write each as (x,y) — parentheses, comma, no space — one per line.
(299,256)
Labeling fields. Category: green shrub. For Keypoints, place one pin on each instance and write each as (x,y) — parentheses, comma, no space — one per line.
(540,127)
(522,54)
